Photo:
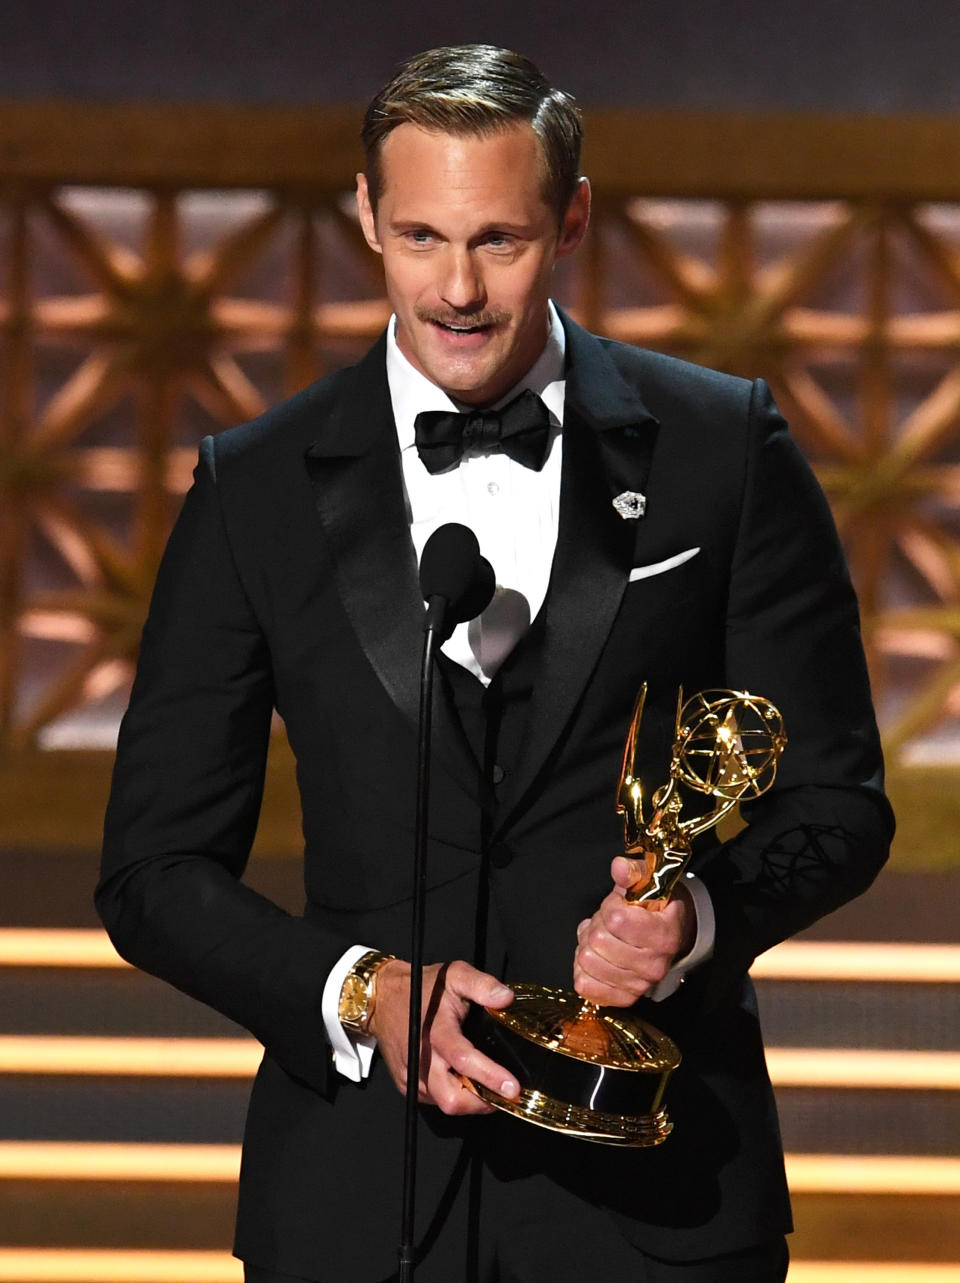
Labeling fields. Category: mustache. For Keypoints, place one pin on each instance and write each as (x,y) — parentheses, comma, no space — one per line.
(472,320)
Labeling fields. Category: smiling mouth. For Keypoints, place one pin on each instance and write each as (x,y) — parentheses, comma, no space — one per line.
(460,329)
(466,326)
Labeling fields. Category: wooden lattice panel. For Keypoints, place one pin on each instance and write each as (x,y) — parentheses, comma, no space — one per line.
(134,322)
(850,310)
(133,319)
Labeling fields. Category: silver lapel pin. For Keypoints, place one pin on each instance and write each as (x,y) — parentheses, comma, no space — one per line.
(631,505)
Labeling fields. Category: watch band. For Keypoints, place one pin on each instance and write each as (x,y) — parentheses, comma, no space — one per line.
(358,994)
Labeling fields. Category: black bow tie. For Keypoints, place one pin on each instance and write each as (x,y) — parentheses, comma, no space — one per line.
(521,429)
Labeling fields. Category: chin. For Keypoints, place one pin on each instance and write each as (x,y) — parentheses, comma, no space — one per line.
(460,383)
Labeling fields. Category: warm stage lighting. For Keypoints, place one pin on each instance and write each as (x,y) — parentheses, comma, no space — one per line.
(792,960)
(865,961)
(866,1069)
(93,1265)
(875,1271)
(143,1057)
(54,1160)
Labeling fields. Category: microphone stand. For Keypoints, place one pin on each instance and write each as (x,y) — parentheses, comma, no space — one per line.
(457,584)
(434,619)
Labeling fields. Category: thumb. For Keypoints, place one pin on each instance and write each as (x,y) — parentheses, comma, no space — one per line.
(500,995)
(625,872)
(478,986)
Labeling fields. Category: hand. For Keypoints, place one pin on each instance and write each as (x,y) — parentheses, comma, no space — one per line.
(444,1051)
(625,949)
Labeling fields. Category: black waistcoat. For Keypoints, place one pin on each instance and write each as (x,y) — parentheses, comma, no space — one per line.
(494,718)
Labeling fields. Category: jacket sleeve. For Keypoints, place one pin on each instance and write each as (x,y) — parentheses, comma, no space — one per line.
(185,799)
(792,635)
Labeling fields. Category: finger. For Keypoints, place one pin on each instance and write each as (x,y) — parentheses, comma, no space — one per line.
(634,957)
(455,1052)
(468,983)
(611,961)
(452,1095)
(636,926)
(456,1096)
(463,1100)
(635,972)
(601,994)
(449,1093)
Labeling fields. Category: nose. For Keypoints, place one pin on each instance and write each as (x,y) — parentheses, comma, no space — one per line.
(461,284)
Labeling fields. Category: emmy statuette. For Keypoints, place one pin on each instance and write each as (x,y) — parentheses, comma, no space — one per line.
(599,1073)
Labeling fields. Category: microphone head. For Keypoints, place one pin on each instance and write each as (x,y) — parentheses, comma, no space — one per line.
(480,595)
(452,569)
(449,562)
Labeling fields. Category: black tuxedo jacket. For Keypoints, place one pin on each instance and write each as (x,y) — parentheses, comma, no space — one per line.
(290,581)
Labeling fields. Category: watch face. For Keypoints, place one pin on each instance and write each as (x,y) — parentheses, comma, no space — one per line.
(353,1000)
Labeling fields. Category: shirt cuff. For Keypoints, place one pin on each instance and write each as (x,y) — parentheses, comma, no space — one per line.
(702,946)
(352,1053)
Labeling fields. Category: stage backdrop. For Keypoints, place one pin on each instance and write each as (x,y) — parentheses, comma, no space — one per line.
(166,271)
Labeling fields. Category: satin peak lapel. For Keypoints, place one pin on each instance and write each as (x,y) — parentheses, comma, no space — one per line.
(608,443)
(358,489)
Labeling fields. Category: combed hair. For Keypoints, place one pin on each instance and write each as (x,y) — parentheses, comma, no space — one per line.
(482,90)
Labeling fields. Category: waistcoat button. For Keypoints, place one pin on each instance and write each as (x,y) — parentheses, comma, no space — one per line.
(500,855)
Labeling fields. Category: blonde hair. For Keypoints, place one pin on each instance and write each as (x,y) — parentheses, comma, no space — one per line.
(478,89)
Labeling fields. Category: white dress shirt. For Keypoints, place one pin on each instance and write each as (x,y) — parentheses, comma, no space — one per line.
(514,512)
(511,509)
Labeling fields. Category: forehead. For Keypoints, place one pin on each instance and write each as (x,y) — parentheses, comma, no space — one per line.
(427,174)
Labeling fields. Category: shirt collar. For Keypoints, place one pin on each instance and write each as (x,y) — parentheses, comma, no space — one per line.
(412,392)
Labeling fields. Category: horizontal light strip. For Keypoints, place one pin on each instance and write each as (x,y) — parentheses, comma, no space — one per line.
(98,1265)
(792,960)
(854,1067)
(83,1265)
(99,1161)
(240,1058)
(872,1174)
(849,960)
(875,1271)
(46,1160)
(150,1057)
(38,947)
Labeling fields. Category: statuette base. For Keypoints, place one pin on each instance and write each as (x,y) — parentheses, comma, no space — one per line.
(593,1073)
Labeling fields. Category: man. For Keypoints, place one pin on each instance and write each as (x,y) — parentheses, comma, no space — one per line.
(290,581)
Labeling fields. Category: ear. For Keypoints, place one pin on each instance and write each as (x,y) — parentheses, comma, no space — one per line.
(368,223)
(575,220)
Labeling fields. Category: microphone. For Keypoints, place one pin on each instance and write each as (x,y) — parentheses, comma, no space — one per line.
(457,584)
(456,581)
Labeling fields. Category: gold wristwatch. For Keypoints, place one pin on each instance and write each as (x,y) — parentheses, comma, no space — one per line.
(358,995)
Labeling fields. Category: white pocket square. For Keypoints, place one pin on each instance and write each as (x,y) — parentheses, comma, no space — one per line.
(658,567)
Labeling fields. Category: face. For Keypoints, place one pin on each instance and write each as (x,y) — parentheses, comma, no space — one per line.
(468,245)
